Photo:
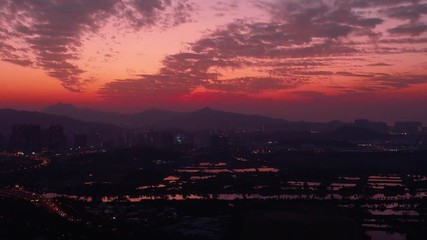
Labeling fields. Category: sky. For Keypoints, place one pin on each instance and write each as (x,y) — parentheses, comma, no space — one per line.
(314,60)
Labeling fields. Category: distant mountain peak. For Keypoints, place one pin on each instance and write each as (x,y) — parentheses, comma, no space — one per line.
(155,110)
(61,106)
(201,119)
(205,109)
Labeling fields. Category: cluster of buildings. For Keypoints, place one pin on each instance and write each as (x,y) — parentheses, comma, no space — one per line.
(409,128)
(30,138)
(34,138)
(399,128)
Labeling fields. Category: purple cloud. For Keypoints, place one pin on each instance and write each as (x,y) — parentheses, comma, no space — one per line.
(52,30)
(413,29)
(411,12)
(397,81)
(299,31)
(380,64)
(292,48)
(375,3)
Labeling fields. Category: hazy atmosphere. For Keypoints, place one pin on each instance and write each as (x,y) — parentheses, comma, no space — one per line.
(213,120)
(299,60)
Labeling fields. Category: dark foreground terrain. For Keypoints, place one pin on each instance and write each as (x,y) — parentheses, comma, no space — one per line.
(152,194)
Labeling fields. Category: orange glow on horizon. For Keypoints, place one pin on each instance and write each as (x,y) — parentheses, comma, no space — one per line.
(236,55)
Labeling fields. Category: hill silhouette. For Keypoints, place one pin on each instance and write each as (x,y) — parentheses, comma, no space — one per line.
(10,117)
(205,118)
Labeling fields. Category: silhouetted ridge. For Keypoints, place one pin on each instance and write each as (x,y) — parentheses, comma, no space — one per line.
(204,118)
(11,117)
(61,107)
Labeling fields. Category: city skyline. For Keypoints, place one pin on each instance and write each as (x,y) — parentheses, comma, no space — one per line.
(298,60)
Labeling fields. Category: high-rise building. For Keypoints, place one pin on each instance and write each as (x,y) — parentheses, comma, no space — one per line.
(220,142)
(80,141)
(409,128)
(27,138)
(379,127)
(55,139)
(183,141)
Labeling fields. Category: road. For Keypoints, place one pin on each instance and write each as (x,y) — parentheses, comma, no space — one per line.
(41,162)
(38,200)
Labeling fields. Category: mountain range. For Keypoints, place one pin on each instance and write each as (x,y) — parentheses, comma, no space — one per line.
(110,125)
(10,117)
(205,118)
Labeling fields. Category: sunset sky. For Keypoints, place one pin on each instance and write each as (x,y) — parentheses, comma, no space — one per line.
(314,60)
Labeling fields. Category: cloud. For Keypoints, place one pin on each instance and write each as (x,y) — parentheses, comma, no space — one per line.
(313,18)
(380,64)
(413,29)
(299,30)
(351,74)
(52,31)
(376,3)
(21,62)
(410,12)
(298,46)
(314,73)
(255,84)
(419,40)
(399,81)
(224,7)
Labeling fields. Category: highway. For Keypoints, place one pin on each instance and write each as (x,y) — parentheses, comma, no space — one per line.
(41,162)
(37,200)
